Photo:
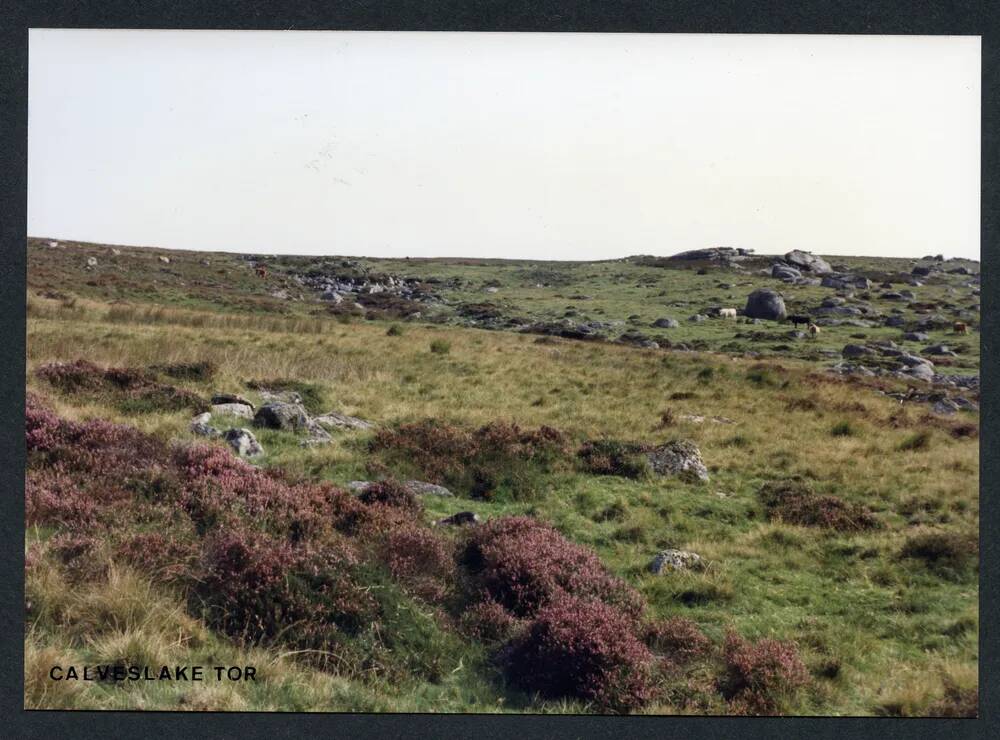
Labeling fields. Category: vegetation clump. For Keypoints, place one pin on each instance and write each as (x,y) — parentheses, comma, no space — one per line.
(761,677)
(131,390)
(949,554)
(197,371)
(523,564)
(794,502)
(614,457)
(585,649)
(499,457)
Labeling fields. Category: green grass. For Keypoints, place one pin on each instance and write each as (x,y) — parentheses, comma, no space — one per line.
(896,630)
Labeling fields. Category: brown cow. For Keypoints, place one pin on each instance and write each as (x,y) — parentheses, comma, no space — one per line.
(261,272)
(960,327)
(813,329)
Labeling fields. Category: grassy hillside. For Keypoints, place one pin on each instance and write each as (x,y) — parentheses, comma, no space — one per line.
(837,529)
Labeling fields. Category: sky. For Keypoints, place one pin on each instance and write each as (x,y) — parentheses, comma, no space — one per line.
(540,146)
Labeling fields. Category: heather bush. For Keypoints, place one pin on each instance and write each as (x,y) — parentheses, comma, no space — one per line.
(488,621)
(256,588)
(420,560)
(760,677)
(678,639)
(132,390)
(612,457)
(168,558)
(793,501)
(523,565)
(391,493)
(497,457)
(54,498)
(583,649)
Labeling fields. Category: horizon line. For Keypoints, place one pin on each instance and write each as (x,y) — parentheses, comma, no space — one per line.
(273,255)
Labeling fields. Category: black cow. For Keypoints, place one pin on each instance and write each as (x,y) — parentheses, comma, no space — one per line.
(797,319)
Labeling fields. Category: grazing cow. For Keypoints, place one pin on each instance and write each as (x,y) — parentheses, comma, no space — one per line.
(727,313)
(797,319)
(960,327)
(261,272)
(813,330)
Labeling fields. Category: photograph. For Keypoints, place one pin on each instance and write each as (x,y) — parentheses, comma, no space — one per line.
(521,373)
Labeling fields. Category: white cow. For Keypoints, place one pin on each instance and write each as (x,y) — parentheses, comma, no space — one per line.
(727,313)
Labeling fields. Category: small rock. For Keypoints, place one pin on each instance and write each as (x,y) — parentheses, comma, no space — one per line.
(945,406)
(808,262)
(669,560)
(165,260)
(334,420)
(287,416)
(681,458)
(855,350)
(201,427)
(243,442)
(91,262)
(916,336)
(666,323)
(233,409)
(226,398)
(459,519)
(420,488)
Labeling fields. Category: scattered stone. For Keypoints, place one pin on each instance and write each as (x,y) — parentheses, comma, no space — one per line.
(666,323)
(420,488)
(945,406)
(765,303)
(416,487)
(91,262)
(268,396)
(808,262)
(714,254)
(856,350)
(277,415)
(698,419)
(681,458)
(165,260)
(226,398)
(335,420)
(670,560)
(698,318)
(940,350)
(243,442)
(915,336)
(785,272)
(241,410)
(201,427)
(459,519)
(317,435)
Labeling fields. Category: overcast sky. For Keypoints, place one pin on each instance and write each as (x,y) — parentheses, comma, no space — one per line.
(546,146)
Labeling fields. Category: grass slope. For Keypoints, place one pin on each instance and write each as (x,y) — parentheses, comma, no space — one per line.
(880,629)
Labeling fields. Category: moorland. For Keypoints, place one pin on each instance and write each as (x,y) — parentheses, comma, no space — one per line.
(484,485)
